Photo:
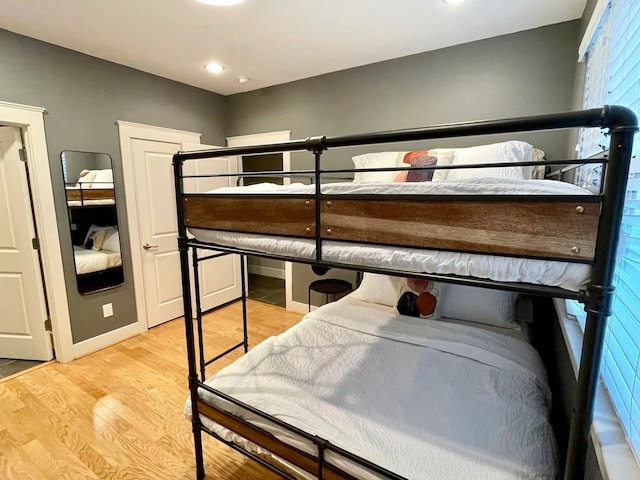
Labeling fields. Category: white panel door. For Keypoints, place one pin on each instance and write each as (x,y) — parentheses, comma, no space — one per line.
(158,233)
(219,277)
(22,301)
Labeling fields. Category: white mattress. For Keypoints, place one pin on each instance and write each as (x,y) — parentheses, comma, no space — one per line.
(570,276)
(423,399)
(89,261)
(87,203)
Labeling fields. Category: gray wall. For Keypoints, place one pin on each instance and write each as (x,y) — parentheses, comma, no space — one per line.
(521,74)
(84,97)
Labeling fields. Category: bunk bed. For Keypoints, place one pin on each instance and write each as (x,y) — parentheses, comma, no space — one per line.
(317,224)
(93,187)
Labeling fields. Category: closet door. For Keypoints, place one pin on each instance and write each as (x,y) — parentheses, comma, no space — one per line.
(158,234)
(22,301)
(219,277)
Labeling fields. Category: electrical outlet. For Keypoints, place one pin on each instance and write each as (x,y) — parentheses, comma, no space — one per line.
(107,310)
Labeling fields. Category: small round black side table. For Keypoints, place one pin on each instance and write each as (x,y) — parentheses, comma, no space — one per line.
(329,286)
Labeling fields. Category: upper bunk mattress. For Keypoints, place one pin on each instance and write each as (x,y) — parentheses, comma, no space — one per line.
(421,398)
(567,275)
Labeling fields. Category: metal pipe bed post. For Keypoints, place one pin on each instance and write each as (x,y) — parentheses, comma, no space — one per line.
(243,284)
(188,321)
(599,294)
(317,153)
(196,291)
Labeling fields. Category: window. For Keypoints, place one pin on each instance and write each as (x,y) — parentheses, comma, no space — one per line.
(613,61)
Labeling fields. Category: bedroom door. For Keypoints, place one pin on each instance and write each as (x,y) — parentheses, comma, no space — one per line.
(22,301)
(219,277)
(157,227)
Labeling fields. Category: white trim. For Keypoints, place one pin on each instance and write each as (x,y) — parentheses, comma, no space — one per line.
(107,339)
(128,131)
(288,285)
(141,128)
(616,460)
(299,307)
(31,121)
(592,28)
(267,271)
(260,139)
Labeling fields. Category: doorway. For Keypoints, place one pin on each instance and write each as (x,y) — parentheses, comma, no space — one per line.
(266,276)
(269,280)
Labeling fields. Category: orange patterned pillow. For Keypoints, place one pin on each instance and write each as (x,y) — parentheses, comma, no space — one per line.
(420,159)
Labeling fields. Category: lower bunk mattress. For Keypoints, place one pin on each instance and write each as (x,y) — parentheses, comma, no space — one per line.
(424,399)
(90,261)
(567,275)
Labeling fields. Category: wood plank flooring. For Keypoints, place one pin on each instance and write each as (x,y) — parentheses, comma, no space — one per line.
(117,413)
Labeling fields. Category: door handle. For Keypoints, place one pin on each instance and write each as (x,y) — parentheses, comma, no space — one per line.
(146,246)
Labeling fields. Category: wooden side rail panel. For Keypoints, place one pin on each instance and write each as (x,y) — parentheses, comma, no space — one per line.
(90,194)
(287,215)
(300,459)
(535,228)
(556,229)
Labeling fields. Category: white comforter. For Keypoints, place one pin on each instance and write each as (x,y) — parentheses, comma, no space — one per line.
(89,261)
(424,399)
(570,276)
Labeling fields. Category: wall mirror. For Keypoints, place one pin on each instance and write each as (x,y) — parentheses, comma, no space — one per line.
(91,206)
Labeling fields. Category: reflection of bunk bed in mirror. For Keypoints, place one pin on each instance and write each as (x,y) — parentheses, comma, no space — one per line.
(359,391)
(82,196)
(93,220)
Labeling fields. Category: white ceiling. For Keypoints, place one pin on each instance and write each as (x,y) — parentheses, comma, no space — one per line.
(271,41)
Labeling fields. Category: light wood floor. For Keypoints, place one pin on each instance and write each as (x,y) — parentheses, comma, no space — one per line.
(117,414)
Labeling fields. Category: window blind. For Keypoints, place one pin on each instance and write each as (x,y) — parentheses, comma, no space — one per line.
(614,62)
(621,361)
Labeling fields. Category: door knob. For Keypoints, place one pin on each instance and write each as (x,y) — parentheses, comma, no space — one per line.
(146,246)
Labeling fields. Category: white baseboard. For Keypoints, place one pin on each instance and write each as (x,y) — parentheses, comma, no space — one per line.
(299,307)
(266,271)
(105,340)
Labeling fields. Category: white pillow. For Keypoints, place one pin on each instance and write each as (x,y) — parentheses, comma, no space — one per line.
(381,289)
(96,234)
(480,305)
(103,179)
(505,152)
(390,160)
(377,160)
(538,172)
(111,240)
(87,177)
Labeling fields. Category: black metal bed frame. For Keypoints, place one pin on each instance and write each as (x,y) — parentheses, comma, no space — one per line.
(621,124)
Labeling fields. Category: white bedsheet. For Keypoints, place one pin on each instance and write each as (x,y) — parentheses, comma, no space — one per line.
(423,399)
(570,276)
(89,261)
(87,203)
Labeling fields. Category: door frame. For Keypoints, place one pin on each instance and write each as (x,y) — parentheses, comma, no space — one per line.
(31,122)
(128,131)
(261,139)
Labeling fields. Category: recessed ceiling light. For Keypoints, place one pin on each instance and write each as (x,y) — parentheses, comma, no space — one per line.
(242,79)
(453,2)
(221,3)
(214,67)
